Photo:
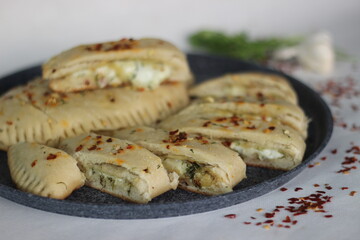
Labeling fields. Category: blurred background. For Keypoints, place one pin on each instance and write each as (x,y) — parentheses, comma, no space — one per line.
(33,31)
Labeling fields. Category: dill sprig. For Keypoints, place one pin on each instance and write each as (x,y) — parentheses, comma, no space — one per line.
(239,45)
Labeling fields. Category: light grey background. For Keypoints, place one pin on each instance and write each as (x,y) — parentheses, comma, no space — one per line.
(33,31)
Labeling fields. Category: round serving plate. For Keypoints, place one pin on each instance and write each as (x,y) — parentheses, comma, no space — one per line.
(88,202)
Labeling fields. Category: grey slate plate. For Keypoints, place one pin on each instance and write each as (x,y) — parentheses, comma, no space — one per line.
(87,202)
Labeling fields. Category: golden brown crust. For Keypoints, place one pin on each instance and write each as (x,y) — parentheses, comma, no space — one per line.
(35,114)
(44,171)
(88,56)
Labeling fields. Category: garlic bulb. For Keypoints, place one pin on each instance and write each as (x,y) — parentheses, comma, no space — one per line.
(316,53)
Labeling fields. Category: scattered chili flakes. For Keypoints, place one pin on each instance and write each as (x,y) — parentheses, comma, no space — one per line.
(328,216)
(130,147)
(247,223)
(316,185)
(334,151)
(283,189)
(344,188)
(231,216)
(323,158)
(298,189)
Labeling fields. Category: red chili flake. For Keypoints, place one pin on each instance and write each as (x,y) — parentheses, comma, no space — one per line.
(354,149)
(262,104)
(311,165)
(93,147)
(131,147)
(334,151)
(220,119)
(98,137)
(279,206)
(344,188)
(230,216)
(9,122)
(51,156)
(286,226)
(168,146)
(109,140)
(294,222)
(272,128)
(33,163)
(323,158)
(247,223)
(269,215)
(283,189)
(177,138)
(316,185)
(328,187)
(174,132)
(206,124)
(98,142)
(253,217)
(352,193)
(322,192)
(298,189)
(287,219)
(280,225)
(226,143)
(79,148)
(169,104)
(258,224)
(269,221)
(87,82)
(349,160)
(328,216)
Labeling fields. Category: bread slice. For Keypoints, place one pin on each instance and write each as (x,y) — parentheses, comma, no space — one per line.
(43,170)
(119,167)
(143,63)
(259,142)
(34,113)
(203,165)
(252,85)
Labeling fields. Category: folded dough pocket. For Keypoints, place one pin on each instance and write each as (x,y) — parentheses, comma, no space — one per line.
(256,86)
(203,166)
(120,168)
(43,170)
(259,142)
(143,63)
(286,113)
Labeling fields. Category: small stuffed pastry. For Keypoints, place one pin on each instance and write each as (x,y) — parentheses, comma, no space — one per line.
(256,86)
(143,63)
(203,165)
(119,167)
(33,113)
(259,142)
(43,170)
(286,113)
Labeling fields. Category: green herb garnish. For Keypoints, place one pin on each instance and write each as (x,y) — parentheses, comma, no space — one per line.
(239,45)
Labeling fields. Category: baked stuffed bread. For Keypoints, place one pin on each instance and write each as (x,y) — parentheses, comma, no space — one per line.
(204,166)
(34,113)
(143,63)
(119,167)
(43,170)
(286,113)
(252,85)
(259,142)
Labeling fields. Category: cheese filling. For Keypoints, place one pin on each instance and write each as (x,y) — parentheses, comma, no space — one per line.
(144,74)
(200,176)
(262,154)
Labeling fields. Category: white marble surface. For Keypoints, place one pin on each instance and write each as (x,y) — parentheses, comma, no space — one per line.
(32,31)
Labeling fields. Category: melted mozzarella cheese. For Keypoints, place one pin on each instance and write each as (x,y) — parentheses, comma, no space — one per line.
(139,73)
(262,154)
